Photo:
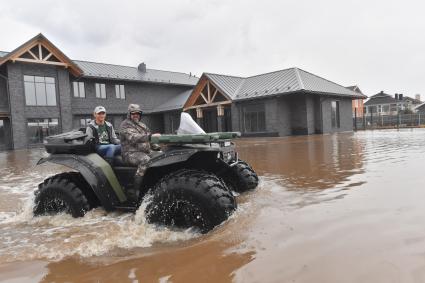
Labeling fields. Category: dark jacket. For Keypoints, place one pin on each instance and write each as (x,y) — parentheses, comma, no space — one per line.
(135,137)
(92,132)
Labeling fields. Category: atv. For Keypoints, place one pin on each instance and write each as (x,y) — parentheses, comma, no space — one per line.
(190,181)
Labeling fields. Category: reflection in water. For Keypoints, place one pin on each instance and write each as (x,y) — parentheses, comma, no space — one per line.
(206,261)
(313,162)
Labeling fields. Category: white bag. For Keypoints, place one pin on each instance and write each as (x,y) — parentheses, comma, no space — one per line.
(188,126)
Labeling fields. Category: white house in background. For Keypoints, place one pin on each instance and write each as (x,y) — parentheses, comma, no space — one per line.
(385,104)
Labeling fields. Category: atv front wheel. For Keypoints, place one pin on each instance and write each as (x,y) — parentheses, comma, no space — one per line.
(60,194)
(241,177)
(190,198)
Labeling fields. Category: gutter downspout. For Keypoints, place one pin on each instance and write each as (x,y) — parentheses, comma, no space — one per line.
(10,110)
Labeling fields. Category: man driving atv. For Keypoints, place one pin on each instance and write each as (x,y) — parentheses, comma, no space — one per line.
(135,142)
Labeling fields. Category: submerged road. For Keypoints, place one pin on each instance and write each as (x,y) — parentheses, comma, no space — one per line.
(335,208)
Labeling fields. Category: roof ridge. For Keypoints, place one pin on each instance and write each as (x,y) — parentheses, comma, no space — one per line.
(110,64)
(322,78)
(300,81)
(207,73)
(270,72)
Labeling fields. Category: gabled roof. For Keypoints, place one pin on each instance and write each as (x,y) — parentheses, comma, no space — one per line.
(279,82)
(355,88)
(105,71)
(41,39)
(118,72)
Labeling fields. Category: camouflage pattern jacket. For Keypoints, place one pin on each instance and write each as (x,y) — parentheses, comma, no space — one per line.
(134,137)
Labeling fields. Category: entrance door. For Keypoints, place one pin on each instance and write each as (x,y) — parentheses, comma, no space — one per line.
(210,120)
(4,134)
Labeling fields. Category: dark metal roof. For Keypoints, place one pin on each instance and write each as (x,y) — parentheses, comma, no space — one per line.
(279,82)
(118,72)
(176,103)
(383,98)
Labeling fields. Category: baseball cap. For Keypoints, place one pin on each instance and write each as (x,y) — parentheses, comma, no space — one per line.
(99,109)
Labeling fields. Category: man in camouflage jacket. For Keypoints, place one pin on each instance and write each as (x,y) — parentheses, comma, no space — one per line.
(135,137)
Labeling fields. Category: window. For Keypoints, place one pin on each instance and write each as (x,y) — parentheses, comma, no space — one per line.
(79,90)
(379,108)
(100,91)
(84,122)
(2,134)
(254,118)
(39,129)
(386,108)
(40,91)
(335,114)
(119,91)
(174,122)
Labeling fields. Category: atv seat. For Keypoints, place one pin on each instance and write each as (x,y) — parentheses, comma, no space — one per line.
(118,162)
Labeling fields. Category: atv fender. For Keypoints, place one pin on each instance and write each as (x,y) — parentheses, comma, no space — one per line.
(98,174)
(177,156)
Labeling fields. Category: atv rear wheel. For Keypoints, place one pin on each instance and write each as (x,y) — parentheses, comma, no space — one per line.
(58,194)
(241,177)
(190,198)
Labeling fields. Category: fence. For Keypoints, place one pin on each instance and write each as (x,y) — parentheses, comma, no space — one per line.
(377,121)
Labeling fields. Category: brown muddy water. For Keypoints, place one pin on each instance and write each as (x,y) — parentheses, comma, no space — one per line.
(334,208)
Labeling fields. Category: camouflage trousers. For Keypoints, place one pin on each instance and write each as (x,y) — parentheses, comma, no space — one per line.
(139,159)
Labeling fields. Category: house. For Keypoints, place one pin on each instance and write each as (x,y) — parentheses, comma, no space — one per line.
(44,92)
(357,103)
(385,104)
(285,102)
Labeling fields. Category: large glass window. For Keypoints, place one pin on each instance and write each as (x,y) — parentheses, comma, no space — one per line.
(254,118)
(40,91)
(335,114)
(39,129)
(120,91)
(100,90)
(79,90)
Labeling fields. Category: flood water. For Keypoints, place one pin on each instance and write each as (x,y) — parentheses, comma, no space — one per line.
(335,208)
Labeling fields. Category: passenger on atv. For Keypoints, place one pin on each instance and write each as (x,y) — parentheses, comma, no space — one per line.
(102,133)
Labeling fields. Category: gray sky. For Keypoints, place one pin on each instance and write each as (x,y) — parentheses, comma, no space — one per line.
(378,45)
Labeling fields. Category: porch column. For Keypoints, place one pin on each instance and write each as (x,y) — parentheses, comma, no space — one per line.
(220,118)
(199,116)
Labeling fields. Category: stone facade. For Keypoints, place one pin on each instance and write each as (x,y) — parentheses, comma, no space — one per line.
(69,110)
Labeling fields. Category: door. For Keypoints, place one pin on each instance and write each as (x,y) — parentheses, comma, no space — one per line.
(210,120)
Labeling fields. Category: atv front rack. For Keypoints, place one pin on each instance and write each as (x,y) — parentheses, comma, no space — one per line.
(197,138)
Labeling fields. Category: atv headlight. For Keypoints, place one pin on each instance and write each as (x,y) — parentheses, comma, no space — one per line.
(229,156)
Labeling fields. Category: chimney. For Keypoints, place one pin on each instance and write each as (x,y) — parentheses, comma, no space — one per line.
(382,92)
(400,96)
(396,96)
(418,97)
(142,67)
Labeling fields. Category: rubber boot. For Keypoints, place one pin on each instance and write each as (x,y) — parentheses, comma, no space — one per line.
(134,192)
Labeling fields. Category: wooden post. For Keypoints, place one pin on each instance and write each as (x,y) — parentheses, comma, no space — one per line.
(199,116)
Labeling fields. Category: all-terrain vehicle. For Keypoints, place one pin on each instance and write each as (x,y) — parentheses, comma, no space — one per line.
(190,180)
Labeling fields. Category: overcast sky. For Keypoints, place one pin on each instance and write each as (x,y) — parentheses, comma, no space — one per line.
(378,45)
